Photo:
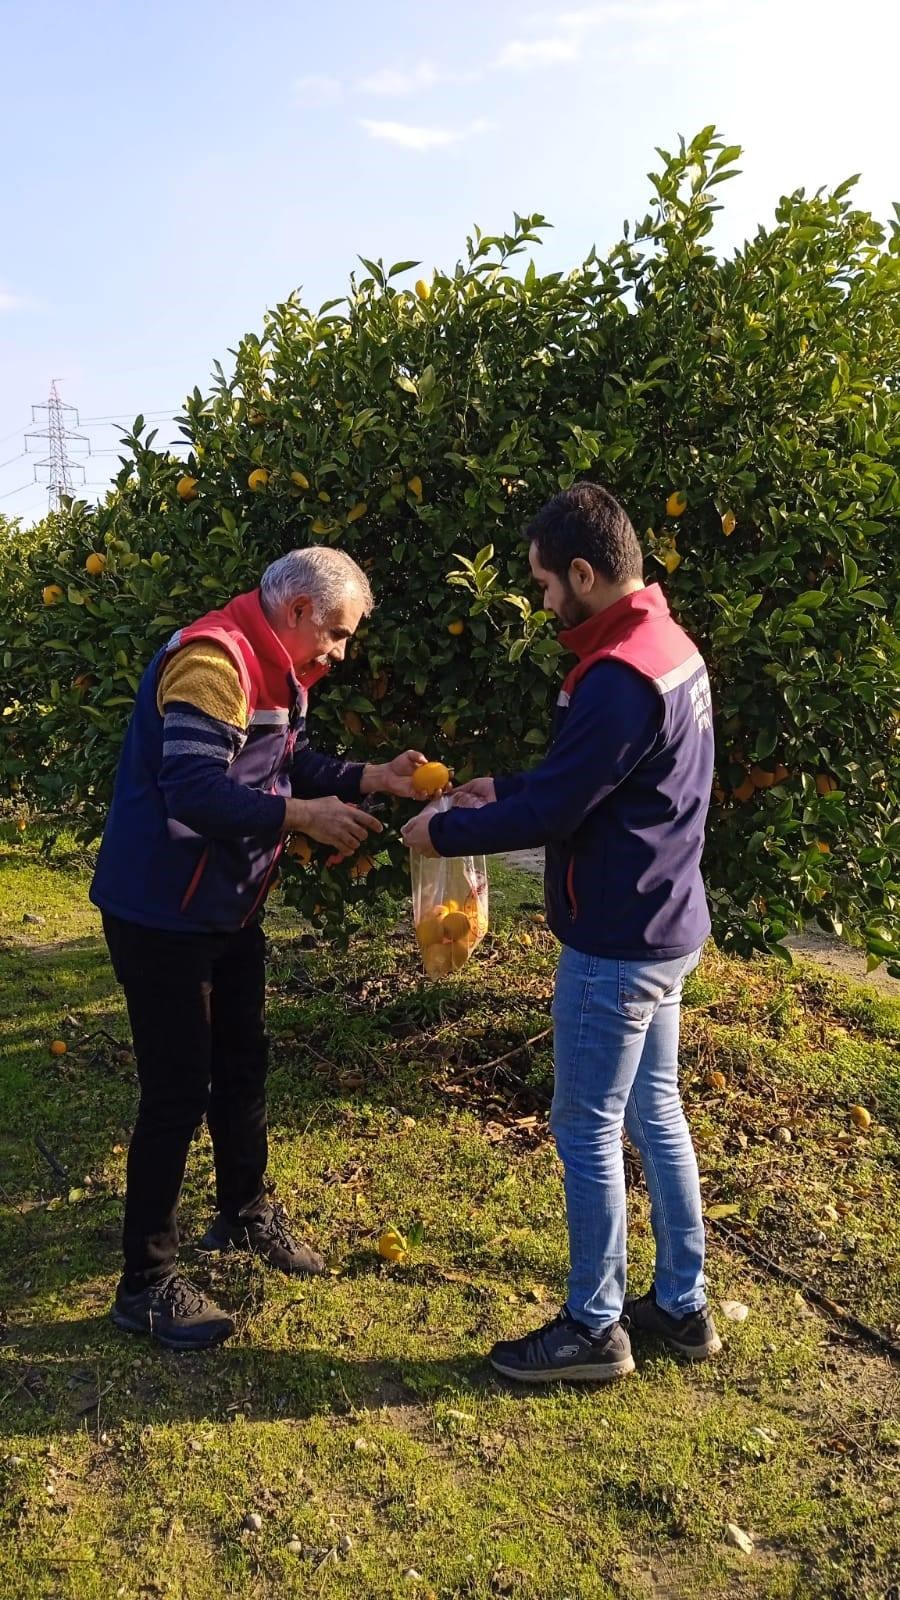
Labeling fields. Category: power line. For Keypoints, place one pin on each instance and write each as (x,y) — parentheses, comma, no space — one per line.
(13,458)
(10,492)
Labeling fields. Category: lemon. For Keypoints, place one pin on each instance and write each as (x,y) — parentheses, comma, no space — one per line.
(676,503)
(51,594)
(186,488)
(257,479)
(300,480)
(95,563)
(456,628)
(415,487)
(729,522)
(357,511)
(423,289)
(671,560)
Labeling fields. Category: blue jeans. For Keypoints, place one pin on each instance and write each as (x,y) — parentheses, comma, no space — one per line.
(616,1027)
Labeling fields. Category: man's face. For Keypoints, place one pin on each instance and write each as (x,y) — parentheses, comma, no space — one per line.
(559,595)
(321,640)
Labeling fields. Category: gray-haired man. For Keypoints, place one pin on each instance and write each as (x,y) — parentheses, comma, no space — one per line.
(216,768)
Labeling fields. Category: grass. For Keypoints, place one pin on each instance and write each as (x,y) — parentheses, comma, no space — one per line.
(355,1414)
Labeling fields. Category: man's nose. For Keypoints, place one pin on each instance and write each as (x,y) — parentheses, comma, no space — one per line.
(339,651)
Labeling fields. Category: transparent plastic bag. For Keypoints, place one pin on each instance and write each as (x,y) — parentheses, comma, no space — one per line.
(450,907)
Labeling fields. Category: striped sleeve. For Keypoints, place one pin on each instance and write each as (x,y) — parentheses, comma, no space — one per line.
(204,676)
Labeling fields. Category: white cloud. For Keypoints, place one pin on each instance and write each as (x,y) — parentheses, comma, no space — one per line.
(317,90)
(12,302)
(523,55)
(391,81)
(411,137)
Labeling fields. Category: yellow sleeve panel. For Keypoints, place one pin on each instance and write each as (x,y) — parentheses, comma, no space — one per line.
(204,675)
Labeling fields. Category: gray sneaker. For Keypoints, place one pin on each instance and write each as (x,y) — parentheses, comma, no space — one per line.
(565,1349)
(693,1336)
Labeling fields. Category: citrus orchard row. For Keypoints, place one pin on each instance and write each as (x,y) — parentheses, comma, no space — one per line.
(746,411)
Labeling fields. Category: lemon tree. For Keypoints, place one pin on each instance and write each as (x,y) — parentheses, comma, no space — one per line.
(745,409)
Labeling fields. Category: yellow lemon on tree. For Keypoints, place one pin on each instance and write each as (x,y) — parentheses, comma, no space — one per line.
(319,526)
(729,522)
(361,868)
(423,289)
(825,783)
(676,503)
(300,480)
(415,486)
(671,560)
(51,594)
(357,511)
(431,777)
(95,563)
(186,487)
(257,479)
(456,628)
(300,849)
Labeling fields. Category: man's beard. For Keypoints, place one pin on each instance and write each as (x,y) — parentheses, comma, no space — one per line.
(573,611)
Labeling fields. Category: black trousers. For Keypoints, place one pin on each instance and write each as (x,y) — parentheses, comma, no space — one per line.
(196,1003)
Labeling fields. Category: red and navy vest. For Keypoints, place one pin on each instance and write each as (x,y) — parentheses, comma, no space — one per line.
(156,871)
(629,883)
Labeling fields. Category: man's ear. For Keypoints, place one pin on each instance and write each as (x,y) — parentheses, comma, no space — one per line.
(581,575)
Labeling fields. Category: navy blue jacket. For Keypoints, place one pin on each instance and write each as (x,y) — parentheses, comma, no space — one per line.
(620,800)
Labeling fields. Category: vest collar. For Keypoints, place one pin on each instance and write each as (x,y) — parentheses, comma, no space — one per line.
(247,612)
(606,627)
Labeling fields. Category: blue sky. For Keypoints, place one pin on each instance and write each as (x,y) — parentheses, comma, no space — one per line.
(169,170)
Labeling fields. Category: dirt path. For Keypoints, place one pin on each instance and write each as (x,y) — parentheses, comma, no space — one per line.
(813,945)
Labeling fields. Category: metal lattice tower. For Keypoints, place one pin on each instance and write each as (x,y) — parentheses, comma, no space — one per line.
(58,465)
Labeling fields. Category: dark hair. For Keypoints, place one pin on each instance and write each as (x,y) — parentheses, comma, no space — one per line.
(587,522)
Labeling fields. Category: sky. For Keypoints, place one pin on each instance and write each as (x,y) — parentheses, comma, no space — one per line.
(168,171)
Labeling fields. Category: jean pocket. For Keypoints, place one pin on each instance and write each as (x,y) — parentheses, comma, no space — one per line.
(637,997)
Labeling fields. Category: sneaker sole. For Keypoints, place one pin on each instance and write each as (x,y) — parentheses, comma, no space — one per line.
(588,1374)
(690,1352)
(132,1325)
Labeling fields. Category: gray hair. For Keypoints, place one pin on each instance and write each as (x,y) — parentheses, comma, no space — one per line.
(323,574)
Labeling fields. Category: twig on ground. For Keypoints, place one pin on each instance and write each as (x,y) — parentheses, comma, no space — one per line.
(56,1166)
(840,1313)
(485,1066)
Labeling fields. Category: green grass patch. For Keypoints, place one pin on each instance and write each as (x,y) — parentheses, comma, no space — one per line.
(355,1414)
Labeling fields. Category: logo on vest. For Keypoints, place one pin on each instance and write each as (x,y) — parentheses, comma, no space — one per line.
(701,700)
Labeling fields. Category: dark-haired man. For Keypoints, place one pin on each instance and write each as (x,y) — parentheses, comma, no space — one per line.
(620,803)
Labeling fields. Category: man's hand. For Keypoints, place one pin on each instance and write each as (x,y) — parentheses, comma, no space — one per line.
(330,821)
(393,777)
(480,790)
(415,834)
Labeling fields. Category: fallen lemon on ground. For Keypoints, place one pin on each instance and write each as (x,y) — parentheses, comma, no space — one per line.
(186,488)
(51,594)
(860,1117)
(430,777)
(58,1047)
(392,1246)
(258,479)
(676,503)
(95,563)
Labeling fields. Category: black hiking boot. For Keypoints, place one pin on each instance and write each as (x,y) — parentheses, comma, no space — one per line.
(264,1229)
(565,1349)
(173,1312)
(693,1336)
